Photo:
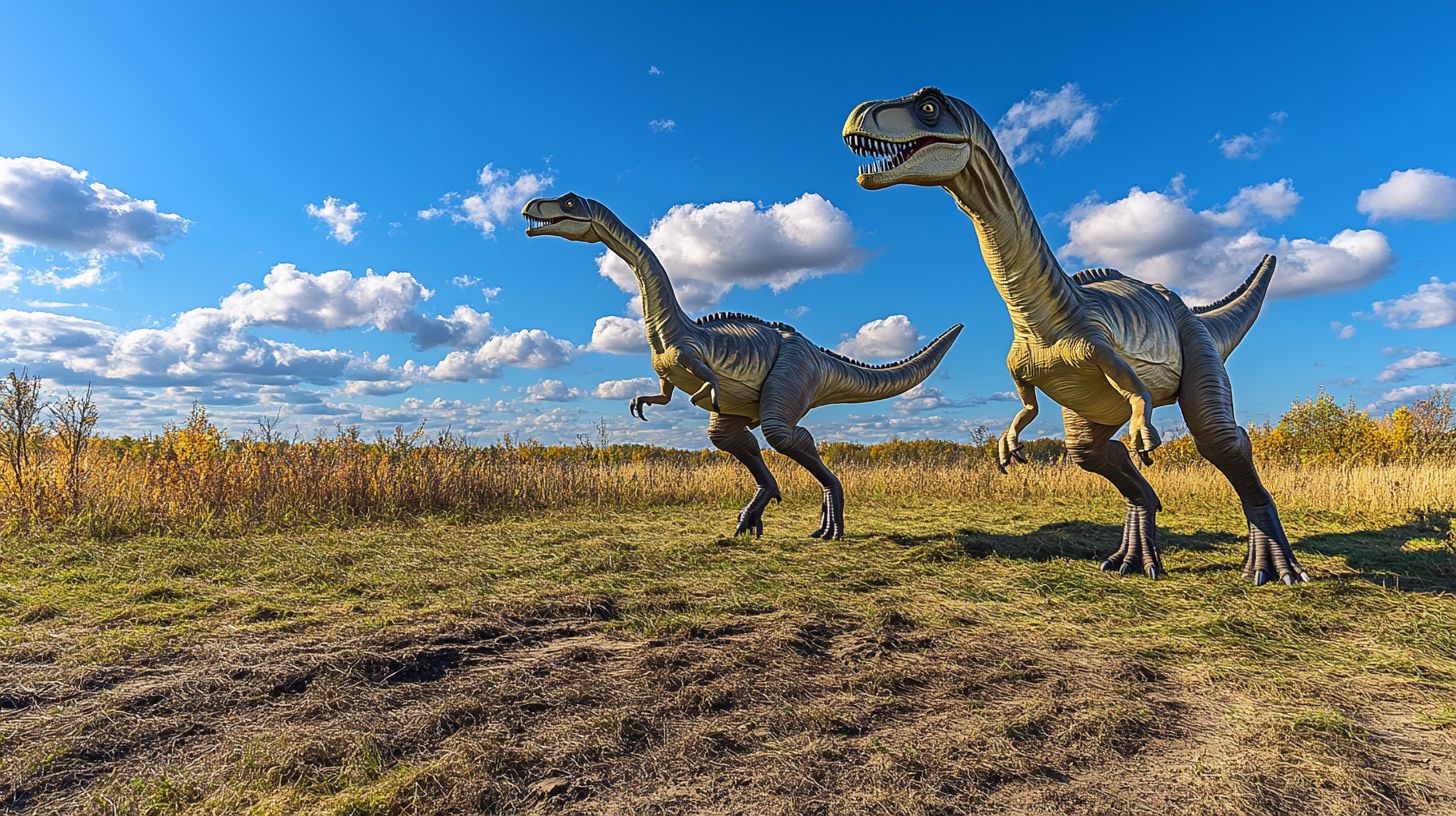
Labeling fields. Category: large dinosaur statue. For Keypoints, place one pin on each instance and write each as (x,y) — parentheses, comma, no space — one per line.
(746,371)
(1106,347)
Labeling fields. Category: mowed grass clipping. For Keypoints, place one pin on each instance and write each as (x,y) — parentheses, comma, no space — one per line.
(953,654)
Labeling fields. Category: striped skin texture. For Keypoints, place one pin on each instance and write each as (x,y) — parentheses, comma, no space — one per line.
(1106,347)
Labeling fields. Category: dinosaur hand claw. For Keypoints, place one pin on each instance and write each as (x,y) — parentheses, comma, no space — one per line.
(1144,441)
(1008,449)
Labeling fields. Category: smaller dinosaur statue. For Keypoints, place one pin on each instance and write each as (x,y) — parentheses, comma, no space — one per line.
(747,372)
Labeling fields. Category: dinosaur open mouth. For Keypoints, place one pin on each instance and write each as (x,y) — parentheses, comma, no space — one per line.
(536,223)
(892,154)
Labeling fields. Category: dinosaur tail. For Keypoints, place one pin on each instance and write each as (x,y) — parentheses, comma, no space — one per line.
(853,381)
(1229,318)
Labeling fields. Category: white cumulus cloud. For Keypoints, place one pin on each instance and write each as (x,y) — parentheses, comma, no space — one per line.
(376,388)
(1430,306)
(1251,145)
(1415,361)
(91,274)
(1275,199)
(552,391)
(294,299)
(708,249)
(890,338)
(1065,115)
(1418,193)
(1157,236)
(619,335)
(498,198)
(1407,394)
(626,389)
(1342,331)
(9,274)
(926,397)
(46,205)
(527,348)
(341,218)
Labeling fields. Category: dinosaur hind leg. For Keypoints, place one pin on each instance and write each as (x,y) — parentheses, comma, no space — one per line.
(787,392)
(1208,407)
(798,444)
(1093,449)
(731,435)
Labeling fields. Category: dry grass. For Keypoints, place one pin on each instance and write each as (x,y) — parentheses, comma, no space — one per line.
(959,652)
(196,625)
(186,487)
(194,479)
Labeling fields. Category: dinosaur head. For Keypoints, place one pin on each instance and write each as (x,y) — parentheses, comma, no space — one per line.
(569,216)
(924,138)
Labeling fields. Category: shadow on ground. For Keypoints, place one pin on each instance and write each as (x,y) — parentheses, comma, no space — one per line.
(1385,556)
(1380,556)
(1078,540)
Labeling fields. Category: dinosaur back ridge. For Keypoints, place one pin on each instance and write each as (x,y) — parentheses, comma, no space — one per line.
(1237,293)
(781,326)
(717,316)
(1095,274)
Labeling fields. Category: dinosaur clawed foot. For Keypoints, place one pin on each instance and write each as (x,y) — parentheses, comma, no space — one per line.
(831,516)
(1139,550)
(750,518)
(1270,557)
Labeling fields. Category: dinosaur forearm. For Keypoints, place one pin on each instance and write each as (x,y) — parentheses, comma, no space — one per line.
(1130,385)
(1026,392)
(1127,382)
(707,395)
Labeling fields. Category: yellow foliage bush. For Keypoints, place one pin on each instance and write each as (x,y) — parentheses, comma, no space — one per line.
(192,478)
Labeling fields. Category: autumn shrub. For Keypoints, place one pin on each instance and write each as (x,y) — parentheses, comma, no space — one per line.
(195,478)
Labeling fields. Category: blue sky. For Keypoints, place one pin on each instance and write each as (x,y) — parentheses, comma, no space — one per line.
(1169,144)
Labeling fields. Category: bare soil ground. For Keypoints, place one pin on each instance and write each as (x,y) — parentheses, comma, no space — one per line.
(591,667)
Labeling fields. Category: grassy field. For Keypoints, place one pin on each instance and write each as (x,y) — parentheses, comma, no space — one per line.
(958,652)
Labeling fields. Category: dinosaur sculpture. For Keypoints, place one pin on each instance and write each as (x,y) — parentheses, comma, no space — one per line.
(746,371)
(1107,347)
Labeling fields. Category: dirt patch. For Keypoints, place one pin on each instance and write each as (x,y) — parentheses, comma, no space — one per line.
(549,712)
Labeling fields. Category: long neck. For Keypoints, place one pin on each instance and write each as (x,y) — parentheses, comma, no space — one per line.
(1040,297)
(664,318)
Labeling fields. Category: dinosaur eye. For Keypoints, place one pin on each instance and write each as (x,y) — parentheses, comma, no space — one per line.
(569,204)
(929,111)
